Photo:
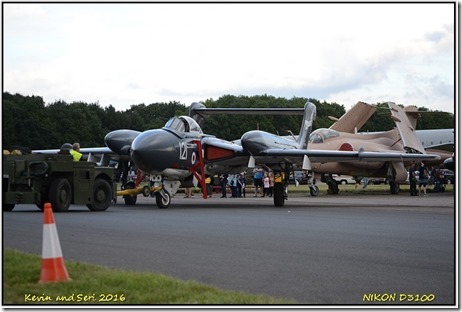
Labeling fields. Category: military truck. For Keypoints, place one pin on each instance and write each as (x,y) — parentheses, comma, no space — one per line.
(38,178)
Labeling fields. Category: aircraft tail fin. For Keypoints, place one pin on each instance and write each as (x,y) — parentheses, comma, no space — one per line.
(198,111)
(412,114)
(354,118)
(406,120)
(307,124)
(195,113)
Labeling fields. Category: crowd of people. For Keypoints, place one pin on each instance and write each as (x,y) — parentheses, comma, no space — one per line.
(420,177)
(263,182)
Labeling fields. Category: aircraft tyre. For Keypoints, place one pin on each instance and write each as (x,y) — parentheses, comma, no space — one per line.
(146,191)
(6,207)
(101,197)
(60,195)
(163,200)
(130,200)
(394,187)
(314,190)
(333,187)
(278,195)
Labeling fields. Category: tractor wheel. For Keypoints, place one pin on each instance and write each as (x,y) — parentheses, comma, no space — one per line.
(101,196)
(60,195)
(43,198)
(8,207)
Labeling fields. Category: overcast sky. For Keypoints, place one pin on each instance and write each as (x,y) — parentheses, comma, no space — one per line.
(124,54)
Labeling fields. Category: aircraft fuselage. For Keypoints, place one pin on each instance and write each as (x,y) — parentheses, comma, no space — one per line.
(165,152)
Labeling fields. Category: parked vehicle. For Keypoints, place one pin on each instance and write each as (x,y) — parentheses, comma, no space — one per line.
(377,181)
(37,179)
(300,176)
(344,179)
(449,176)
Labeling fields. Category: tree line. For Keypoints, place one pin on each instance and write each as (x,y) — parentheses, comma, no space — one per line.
(29,122)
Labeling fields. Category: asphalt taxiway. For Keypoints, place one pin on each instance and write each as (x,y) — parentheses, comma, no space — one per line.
(343,249)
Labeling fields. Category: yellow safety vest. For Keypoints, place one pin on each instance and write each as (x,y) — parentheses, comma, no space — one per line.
(76,155)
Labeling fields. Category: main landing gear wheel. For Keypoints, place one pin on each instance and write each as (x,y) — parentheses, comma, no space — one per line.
(394,187)
(278,195)
(333,187)
(130,200)
(163,199)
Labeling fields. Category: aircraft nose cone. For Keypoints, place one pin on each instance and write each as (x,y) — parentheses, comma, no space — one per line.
(120,141)
(253,142)
(150,150)
(450,163)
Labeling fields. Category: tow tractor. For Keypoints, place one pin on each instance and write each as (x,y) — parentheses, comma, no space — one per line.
(39,178)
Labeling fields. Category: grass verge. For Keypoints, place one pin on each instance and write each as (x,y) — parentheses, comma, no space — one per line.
(371,189)
(91,284)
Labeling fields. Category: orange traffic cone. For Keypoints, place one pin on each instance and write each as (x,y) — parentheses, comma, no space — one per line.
(53,269)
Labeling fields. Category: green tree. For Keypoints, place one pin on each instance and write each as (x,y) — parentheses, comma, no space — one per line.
(28,122)
(24,121)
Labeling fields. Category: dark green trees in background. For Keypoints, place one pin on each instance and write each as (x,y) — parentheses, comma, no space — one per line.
(24,120)
(28,122)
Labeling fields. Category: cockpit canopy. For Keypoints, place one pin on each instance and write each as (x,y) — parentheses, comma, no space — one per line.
(183,124)
(322,134)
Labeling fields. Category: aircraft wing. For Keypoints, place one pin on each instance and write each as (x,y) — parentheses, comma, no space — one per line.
(448,147)
(223,153)
(99,155)
(296,155)
(354,118)
(88,150)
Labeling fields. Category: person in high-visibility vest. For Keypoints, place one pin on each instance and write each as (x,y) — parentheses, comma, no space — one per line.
(75,152)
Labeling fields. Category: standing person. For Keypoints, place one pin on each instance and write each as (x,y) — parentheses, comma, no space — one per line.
(257,179)
(412,180)
(423,179)
(242,182)
(365,182)
(75,152)
(240,185)
(271,182)
(223,182)
(188,192)
(208,186)
(232,180)
(266,185)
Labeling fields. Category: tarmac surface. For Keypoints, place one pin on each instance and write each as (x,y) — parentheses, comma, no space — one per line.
(328,250)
